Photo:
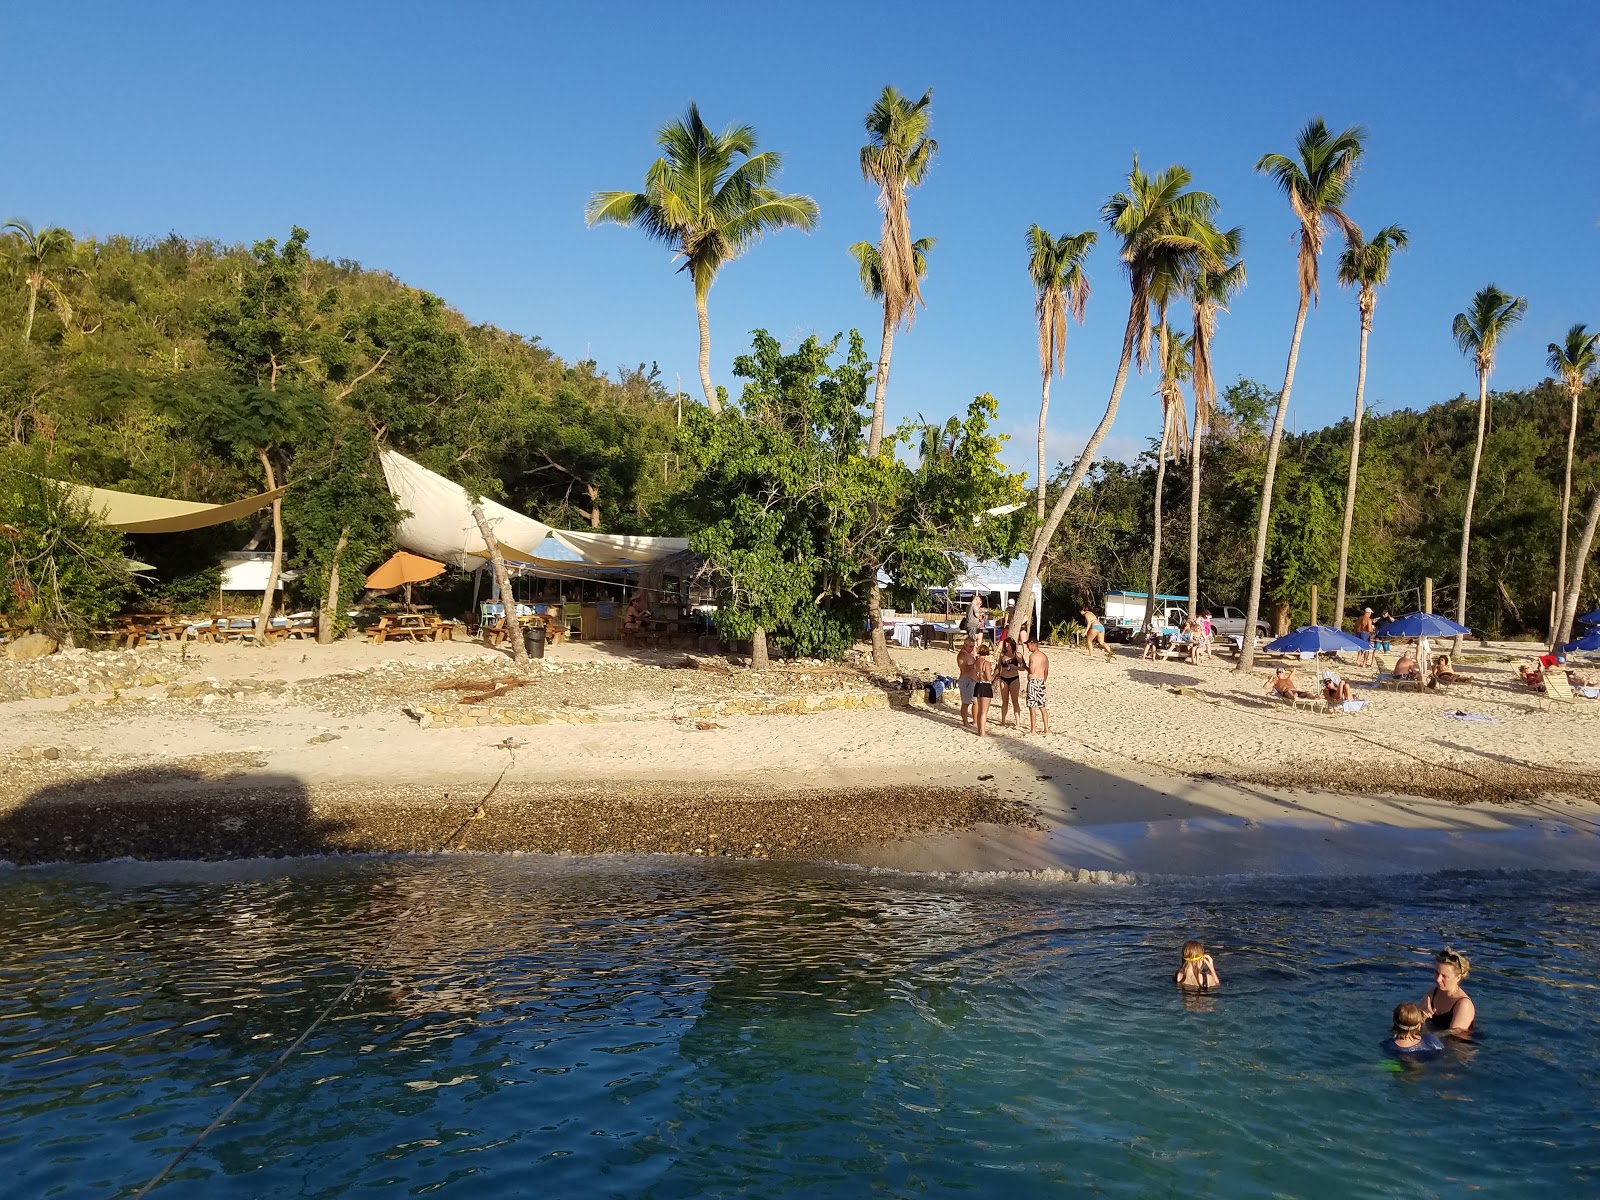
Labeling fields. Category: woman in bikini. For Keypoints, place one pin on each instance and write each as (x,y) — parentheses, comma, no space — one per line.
(1008,677)
(983,691)
(1449,1009)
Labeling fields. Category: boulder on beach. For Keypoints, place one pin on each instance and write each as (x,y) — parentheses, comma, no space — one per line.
(32,645)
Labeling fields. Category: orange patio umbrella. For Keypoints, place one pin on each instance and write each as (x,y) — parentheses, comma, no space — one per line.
(403,569)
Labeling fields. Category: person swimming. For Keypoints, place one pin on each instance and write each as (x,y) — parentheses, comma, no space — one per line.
(1447,1008)
(1197,970)
(1406,1040)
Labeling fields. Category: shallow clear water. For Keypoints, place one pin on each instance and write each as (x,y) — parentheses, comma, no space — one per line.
(629,1027)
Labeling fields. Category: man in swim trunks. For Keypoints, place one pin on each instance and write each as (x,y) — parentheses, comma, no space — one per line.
(1038,673)
(967,660)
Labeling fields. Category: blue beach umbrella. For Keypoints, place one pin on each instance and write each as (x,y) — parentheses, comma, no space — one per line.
(1590,618)
(1317,639)
(1589,643)
(1428,625)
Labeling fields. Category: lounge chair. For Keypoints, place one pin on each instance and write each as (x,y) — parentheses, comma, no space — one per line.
(1558,690)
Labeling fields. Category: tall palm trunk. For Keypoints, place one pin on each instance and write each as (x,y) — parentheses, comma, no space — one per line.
(1043,535)
(880,643)
(1247,655)
(1044,411)
(33,303)
(1566,512)
(264,622)
(1155,542)
(1194,514)
(712,402)
(1472,498)
(881,390)
(330,609)
(1350,479)
(1580,560)
(502,581)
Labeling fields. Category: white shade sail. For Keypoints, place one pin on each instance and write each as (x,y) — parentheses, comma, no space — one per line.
(619,549)
(440,524)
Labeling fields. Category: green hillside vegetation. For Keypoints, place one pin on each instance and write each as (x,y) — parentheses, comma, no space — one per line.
(188,369)
(1410,503)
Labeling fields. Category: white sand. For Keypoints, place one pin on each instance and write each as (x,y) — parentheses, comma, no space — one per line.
(1120,759)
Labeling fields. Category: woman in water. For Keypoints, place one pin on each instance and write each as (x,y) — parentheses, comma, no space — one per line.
(1446,1006)
(1407,1040)
(1196,971)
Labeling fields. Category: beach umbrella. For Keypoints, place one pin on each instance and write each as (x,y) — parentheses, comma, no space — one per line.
(402,569)
(1424,625)
(1590,618)
(1317,639)
(1589,643)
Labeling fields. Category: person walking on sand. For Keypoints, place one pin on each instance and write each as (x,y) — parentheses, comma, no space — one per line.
(1008,678)
(967,661)
(1038,674)
(977,620)
(1096,631)
(1365,628)
(983,688)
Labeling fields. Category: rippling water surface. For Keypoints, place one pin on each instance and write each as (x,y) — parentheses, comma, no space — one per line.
(627,1027)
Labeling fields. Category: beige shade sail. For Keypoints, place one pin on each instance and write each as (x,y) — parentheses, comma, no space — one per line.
(619,549)
(130,512)
(402,569)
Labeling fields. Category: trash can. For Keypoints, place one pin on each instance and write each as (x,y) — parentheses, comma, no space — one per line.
(533,639)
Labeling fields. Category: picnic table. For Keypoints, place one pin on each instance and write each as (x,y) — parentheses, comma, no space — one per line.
(412,627)
(138,628)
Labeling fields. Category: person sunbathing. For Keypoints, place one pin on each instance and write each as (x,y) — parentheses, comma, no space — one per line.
(1531,676)
(1443,672)
(1282,683)
(1335,690)
(1406,668)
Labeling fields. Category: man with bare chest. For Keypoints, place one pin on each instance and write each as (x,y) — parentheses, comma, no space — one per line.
(1038,674)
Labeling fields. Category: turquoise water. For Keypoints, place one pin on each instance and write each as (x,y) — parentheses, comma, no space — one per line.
(631,1027)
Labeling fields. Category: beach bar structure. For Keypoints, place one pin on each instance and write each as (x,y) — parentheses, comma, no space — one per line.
(440,525)
(994,581)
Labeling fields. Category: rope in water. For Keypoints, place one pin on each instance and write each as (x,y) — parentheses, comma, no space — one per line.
(401,925)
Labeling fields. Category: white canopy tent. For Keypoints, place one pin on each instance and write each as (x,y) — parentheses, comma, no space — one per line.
(987,578)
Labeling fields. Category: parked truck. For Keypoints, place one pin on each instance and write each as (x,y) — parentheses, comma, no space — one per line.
(1123,614)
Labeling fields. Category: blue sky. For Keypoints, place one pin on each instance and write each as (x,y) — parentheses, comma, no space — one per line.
(455,145)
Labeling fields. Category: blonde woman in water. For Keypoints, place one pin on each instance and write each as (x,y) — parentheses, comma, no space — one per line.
(1449,1009)
(1196,971)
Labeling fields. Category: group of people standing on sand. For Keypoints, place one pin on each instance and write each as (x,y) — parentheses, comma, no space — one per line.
(985,673)
(1445,1011)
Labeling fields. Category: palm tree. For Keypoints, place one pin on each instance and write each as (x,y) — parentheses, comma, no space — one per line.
(896,158)
(1478,332)
(1060,288)
(1175,368)
(1209,293)
(707,209)
(870,264)
(1580,559)
(37,253)
(1317,181)
(1574,360)
(1364,264)
(1160,221)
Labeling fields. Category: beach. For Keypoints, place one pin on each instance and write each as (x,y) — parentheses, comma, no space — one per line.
(1150,768)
